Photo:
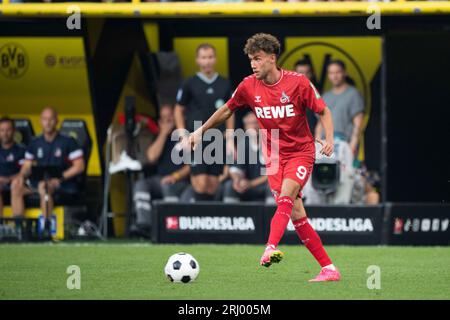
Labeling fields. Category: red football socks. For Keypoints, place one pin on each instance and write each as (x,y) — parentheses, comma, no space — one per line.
(312,241)
(280,220)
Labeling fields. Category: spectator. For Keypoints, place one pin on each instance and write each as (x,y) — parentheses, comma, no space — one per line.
(198,98)
(247,182)
(11,157)
(346,105)
(304,67)
(170,179)
(49,149)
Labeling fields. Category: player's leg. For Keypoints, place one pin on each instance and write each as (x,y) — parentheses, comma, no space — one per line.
(46,206)
(308,235)
(200,183)
(280,220)
(18,192)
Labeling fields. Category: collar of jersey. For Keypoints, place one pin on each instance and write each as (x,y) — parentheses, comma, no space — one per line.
(206,79)
(279,80)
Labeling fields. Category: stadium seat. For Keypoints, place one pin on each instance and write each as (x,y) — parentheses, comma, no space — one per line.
(24,131)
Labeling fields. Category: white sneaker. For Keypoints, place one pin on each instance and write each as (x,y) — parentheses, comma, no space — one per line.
(125,163)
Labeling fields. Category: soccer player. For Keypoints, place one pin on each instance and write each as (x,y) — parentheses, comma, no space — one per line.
(198,98)
(49,149)
(11,157)
(279,99)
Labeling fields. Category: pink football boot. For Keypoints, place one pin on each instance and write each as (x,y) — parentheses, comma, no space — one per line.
(271,255)
(327,274)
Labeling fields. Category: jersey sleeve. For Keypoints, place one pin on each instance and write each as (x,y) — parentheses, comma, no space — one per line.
(184,94)
(30,151)
(238,98)
(310,96)
(74,150)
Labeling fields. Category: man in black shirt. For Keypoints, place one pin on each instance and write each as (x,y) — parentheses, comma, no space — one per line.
(49,149)
(11,157)
(170,179)
(198,98)
(247,181)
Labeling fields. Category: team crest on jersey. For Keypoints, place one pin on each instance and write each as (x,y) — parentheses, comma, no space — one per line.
(58,153)
(257,98)
(10,158)
(40,153)
(284,98)
(210,90)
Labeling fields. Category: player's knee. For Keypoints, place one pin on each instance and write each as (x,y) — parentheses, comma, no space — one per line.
(200,184)
(16,188)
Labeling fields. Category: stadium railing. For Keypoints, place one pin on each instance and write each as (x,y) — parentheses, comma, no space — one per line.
(137,9)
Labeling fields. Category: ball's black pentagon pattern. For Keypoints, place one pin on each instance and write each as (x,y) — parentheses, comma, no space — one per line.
(186,279)
(170,277)
(182,253)
(193,264)
(176,265)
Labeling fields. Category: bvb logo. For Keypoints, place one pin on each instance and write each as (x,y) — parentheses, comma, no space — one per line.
(319,54)
(13,60)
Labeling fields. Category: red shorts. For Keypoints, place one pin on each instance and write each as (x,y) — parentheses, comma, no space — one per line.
(297,168)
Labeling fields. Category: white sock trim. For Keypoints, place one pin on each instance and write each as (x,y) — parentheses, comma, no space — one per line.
(330,266)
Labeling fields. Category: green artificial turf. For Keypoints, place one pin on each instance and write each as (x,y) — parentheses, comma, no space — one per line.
(135,271)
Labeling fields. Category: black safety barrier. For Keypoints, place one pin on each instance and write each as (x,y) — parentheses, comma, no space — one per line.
(216,222)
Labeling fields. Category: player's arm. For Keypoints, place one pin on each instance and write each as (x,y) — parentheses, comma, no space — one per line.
(218,117)
(357,124)
(257,181)
(75,169)
(326,121)
(179,116)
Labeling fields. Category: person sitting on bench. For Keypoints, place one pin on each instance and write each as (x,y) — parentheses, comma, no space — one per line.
(49,149)
(11,157)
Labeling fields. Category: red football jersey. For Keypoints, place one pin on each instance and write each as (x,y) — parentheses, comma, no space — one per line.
(282,106)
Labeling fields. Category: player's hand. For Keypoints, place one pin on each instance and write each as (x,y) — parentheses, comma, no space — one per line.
(19,179)
(191,141)
(169,179)
(244,184)
(166,127)
(54,183)
(327,147)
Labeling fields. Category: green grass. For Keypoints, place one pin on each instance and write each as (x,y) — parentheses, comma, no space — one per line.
(135,271)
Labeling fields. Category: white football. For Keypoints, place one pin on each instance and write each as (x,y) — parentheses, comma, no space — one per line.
(182,267)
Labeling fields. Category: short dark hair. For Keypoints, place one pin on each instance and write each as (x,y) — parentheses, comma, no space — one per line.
(204,46)
(340,63)
(262,42)
(302,62)
(7,119)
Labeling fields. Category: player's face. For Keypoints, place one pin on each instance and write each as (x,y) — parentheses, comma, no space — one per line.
(336,75)
(262,63)
(6,132)
(49,120)
(304,69)
(206,60)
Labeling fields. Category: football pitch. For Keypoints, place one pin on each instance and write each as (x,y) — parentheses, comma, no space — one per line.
(115,270)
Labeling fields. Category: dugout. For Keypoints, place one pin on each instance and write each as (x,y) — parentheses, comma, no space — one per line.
(401,70)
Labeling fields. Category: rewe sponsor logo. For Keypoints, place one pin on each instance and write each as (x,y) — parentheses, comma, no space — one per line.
(275,112)
(194,223)
(339,224)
